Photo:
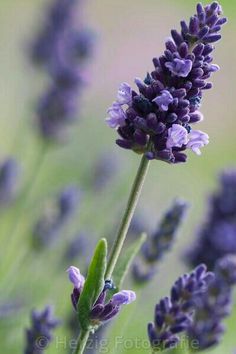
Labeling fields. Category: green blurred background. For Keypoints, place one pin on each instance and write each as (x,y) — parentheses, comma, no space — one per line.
(129,34)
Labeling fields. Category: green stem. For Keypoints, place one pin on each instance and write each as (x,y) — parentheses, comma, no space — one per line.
(81,342)
(121,235)
(129,212)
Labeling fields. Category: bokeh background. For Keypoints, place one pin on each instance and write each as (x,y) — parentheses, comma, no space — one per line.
(128,35)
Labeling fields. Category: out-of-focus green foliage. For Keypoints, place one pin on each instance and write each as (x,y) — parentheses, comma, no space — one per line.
(130,34)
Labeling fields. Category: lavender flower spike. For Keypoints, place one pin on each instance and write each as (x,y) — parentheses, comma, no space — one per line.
(52,221)
(214,305)
(159,242)
(61,48)
(9,180)
(218,231)
(103,309)
(158,119)
(39,335)
(174,314)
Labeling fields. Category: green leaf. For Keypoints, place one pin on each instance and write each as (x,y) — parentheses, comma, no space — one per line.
(126,260)
(93,285)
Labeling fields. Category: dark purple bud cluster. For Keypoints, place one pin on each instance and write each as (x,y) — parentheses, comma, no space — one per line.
(62,48)
(157,120)
(214,305)
(173,315)
(102,309)
(217,236)
(54,219)
(9,180)
(159,243)
(39,335)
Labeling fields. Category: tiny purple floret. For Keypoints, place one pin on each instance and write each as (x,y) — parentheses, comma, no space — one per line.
(197,139)
(124,297)
(116,116)
(75,277)
(177,136)
(180,67)
(164,100)
(124,95)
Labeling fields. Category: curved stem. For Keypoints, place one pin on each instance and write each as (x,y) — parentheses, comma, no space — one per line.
(81,342)
(129,212)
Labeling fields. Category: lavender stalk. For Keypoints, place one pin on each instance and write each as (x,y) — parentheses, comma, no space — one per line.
(129,212)
(156,121)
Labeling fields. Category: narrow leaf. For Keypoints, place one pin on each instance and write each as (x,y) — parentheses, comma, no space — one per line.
(126,260)
(93,284)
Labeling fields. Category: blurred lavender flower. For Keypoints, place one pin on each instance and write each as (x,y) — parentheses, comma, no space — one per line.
(214,305)
(10,308)
(157,120)
(159,243)
(52,221)
(174,314)
(62,48)
(78,246)
(39,335)
(61,33)
(102,311)
(9,180)
(138,225)
(104,170)
(218,233)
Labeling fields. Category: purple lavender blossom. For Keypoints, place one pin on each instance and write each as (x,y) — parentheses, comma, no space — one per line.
(177,136)
(197,140)
(157,121)
(75,277)
(159,242)
(180,67)
(104,170)
(218,232)
(9,180)
(78,246)
(174,315)
(102,310)
(39,335)
(139,224)
(10,308)
(54,219)
(54,109)
(116,116)
(214,305)
(124,95)
(124,297)
(164,100)
(62,48)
